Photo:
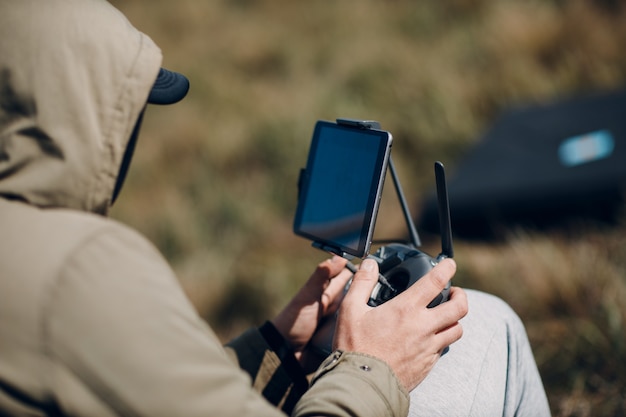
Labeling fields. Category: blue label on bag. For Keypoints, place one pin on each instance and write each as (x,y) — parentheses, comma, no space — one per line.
(586,148)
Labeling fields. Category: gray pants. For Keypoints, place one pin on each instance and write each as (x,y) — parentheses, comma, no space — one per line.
(491,371)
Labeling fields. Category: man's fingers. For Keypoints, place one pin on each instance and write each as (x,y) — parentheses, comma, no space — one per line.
(327,270)
(449,335)
(451,311)
(431,284)
(334,292)
(339,281)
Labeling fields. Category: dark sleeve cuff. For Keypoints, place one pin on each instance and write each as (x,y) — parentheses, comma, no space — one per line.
(285,353)
(269,360)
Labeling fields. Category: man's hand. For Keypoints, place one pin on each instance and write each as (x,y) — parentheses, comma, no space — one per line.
(402,332)
(320,297)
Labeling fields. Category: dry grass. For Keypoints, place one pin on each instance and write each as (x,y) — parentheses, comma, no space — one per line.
(213,182)
(570,292)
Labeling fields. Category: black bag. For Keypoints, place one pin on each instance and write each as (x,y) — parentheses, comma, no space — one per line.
(541,166)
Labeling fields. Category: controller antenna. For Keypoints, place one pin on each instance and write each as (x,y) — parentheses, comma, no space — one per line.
(445,228)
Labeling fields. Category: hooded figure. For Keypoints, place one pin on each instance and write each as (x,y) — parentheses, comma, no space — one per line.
(93,321)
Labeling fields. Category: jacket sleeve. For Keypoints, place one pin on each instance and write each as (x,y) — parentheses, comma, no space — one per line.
(124,340)
(353,384)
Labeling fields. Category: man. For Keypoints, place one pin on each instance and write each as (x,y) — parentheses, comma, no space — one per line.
(93,320)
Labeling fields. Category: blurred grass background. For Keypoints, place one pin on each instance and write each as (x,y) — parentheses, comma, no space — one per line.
(213,183)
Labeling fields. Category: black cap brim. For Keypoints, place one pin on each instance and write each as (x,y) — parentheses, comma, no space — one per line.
(169,88)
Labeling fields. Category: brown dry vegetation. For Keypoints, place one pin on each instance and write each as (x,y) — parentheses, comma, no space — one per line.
(213,181)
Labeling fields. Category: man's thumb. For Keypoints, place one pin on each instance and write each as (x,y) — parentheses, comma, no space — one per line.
(363,282)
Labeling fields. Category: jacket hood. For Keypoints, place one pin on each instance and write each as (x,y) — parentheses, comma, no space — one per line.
(74,77)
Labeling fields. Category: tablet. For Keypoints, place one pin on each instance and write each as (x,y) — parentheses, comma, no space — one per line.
(341,187)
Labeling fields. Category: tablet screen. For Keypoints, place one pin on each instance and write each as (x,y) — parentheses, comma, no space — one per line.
(341,187)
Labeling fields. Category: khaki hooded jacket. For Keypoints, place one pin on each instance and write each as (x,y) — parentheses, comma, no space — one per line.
(93,321)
